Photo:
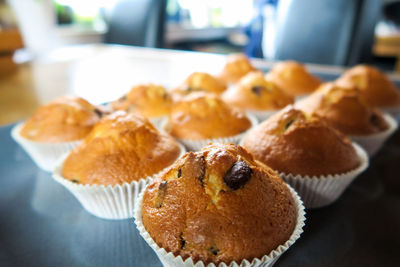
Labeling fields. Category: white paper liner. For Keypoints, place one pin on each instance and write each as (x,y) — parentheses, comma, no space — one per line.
(394,111)
(262,115)
(106,202)
(45,155)
(317,192)
(169,259)
(197,145)
(372,143)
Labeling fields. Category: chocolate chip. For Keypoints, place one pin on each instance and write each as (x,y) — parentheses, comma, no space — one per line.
(75,181)
(162,188)
(287,125)
(374,119)
(179,173)
(202,170)
(238,175)
(122,98)
(165,96)
(257,90)
(98,112)
(214,250)
(182,241)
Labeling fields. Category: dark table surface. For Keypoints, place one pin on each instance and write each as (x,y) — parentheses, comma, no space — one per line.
(42,224)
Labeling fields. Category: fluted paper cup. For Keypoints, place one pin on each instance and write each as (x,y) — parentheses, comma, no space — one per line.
(197,145)
(394,111)
(45,155)
(106,201)
(317,192)
(372,143)
(169,259)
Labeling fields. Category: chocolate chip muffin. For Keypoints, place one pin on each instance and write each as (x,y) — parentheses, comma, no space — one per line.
(149,99)
(255,92)
(121,148)
(201,116)
(298,143)
(65,119)
(375,86)
(200,81)
(293,78)
(237,66)
(345,108)
(219,205)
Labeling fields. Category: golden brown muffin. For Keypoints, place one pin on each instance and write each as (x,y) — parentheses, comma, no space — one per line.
(200,81)
(255,92)
(298,143)
(376,87)
(65,119)
(149,99)
(344,108)
(293,78)
(202,116)
(219,205)
(121,148)
(237,66)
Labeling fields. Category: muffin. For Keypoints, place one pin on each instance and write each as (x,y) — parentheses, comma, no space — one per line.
(65,119)
(200,81)
(345,108)
(293,78)
(375,86)
(123,151)
(299,145)
(237,66)
(201,117)
(55,129)
(151,100)
(219,205)
(254,93)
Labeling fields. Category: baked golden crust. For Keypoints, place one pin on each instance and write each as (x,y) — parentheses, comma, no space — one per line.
(255,92)
(121,148)
(375,86)
(237,66)
(149,99)
(298,143)
(65,119)
(202,116)
(200,81)
(344,108)
(219,205)
(293,78)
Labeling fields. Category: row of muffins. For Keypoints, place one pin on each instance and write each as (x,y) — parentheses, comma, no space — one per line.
(222,190)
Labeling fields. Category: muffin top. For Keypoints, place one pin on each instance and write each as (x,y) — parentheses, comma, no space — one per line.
(376,87)
(149,99)
(293,78)
(255,92)
(219,205)
(344,108)
(200,81)
(65,119)
(121,148)
(295,142)
(237,66)
(202,116)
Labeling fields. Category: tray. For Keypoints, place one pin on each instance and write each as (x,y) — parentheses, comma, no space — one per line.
(42,224)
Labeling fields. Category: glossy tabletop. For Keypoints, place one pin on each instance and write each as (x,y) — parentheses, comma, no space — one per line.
(42,224)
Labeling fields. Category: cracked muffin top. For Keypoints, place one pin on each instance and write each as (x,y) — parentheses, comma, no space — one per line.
(299,143)
(255,92)
(236,66)
(65,119)
(121,148)
(219,205)
(200,81)
(344,108)
(202,116)
(149,99)
(293,78)
(376,87)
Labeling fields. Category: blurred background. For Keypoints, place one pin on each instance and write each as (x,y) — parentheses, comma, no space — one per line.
(336,32)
